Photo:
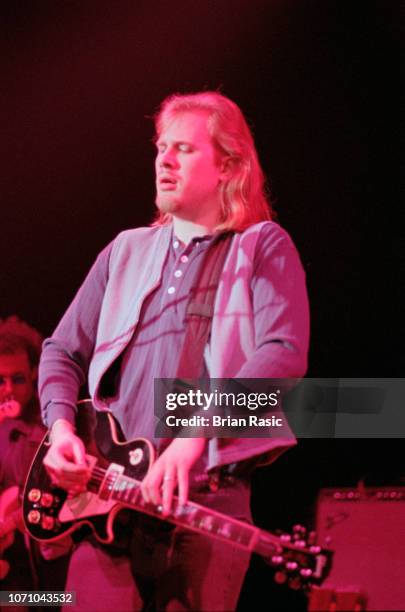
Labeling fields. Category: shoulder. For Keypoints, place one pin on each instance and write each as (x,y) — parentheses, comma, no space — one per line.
(135,246)
(272,232)
(140,234)
(274,248)
(267,236)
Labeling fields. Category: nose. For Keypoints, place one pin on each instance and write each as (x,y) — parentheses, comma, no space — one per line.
(168,158)
(7,387)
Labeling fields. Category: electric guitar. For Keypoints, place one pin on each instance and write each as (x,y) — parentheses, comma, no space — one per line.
(117,468)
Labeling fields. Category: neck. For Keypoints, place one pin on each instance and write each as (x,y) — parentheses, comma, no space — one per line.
(186,230)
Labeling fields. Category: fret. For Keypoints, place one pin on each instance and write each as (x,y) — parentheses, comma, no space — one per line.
(135,497)
(221,526)
(123,489)
(207,523)
(238,533)
(126,490)
(225,530)
(185,513)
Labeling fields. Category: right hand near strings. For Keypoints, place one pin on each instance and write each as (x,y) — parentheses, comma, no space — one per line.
(65,460)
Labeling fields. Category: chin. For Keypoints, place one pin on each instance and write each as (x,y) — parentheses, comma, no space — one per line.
(167,204)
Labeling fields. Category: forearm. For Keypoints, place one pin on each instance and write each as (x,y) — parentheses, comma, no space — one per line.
(275,360)
(59,381)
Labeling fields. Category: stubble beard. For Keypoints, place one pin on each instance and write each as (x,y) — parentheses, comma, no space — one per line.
(166,203)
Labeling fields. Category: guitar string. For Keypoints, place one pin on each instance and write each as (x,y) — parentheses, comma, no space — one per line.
(98,479)
(99,474)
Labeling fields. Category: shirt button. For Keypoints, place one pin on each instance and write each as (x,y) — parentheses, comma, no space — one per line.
(171,290)
(178,273)
(176,244)
(184,259)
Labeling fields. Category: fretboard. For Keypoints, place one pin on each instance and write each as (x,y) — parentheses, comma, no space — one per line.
(126,490)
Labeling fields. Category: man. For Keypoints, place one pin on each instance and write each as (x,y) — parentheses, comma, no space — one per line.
(22,565)
(126,327)
(20,433)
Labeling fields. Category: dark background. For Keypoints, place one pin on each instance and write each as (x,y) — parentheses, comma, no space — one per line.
(80,81)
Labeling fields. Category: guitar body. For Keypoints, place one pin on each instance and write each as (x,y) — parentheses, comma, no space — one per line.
(49,513)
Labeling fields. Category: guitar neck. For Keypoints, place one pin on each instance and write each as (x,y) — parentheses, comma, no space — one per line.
(113,485)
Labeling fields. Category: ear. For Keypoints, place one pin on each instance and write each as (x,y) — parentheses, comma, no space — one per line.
(34,374)
(227,168)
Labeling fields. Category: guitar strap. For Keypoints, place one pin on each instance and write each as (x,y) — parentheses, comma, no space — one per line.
(200,308)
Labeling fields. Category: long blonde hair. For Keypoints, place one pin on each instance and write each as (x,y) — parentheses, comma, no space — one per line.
(243,200)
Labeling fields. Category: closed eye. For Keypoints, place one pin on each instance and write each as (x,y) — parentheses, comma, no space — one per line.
(184,147)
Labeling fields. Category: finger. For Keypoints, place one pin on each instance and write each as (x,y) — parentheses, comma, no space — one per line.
(183,487)
(73,461)
(79,454)
(73,471)
(150,488)
(66,478)
(155,493)
(58,460)
(169,484)
(145,494)
(65,469)
(76,471)
(67,483)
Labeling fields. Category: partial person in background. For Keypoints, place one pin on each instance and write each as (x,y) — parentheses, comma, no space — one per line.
(23,564)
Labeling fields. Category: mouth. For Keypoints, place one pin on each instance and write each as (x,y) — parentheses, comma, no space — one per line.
(166,181)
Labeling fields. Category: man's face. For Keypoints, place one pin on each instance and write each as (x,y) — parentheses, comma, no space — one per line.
(188,169)
(17,378)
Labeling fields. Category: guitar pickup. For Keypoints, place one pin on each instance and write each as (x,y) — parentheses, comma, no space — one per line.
(107,485)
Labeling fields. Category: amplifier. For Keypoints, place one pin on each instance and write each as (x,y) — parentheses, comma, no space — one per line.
(366,529)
